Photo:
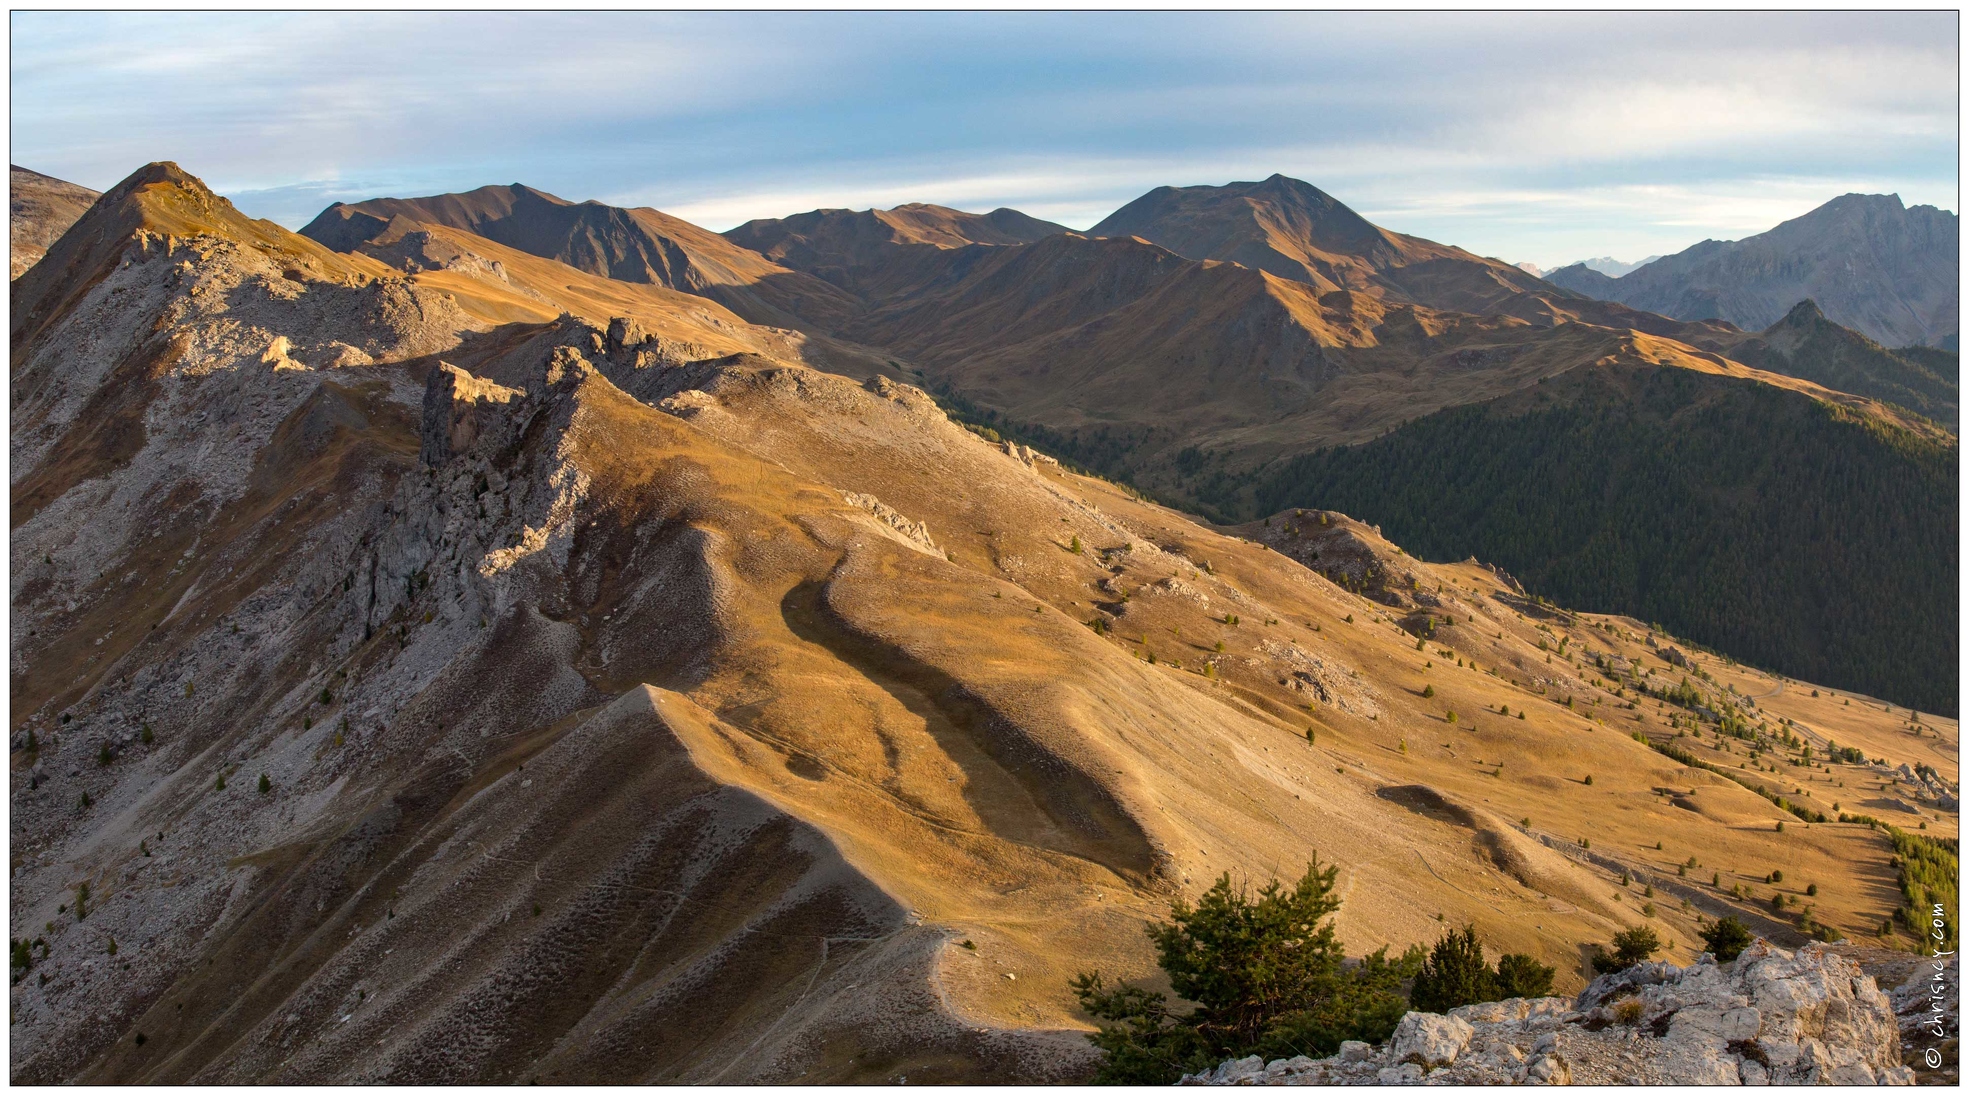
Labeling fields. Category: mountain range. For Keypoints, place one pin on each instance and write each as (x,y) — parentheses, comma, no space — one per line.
(1200,341)
(1883,269)
(491,639)
(1605,264)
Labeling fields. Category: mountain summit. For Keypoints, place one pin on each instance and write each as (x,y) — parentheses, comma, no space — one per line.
(1292,229)
(851,237)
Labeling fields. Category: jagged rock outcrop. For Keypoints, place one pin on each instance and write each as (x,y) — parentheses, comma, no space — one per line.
(457,406)
(1768,1017)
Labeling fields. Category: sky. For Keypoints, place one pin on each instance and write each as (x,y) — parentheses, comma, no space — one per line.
(1542,137)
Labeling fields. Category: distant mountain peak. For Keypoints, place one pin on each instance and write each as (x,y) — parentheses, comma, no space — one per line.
(1871,263)
(1291,229)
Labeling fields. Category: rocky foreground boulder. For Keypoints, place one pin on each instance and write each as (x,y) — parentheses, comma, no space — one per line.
(1768,1017)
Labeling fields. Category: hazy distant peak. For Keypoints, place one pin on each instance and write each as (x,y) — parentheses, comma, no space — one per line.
(1872,263)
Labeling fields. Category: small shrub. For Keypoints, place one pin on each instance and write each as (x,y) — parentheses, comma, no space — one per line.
(265,784)
(1523,976)
(1628,1011)
(145,736)
(1812,890)
(1589,780)
(1632,946)
(1726,938)
(1428,691)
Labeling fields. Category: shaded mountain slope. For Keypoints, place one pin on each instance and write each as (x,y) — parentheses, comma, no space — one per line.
(633,245)
(1805,344)
(1591,488)
(886,254)
(1883,269)
(839,239)
(40,208)
(1293,230)
(629,718)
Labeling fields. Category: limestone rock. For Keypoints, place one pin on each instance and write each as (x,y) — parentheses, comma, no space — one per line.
(1769,1017)
(1430,1040)
(457,407)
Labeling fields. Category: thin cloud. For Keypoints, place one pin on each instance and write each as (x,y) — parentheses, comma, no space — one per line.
(1522,135)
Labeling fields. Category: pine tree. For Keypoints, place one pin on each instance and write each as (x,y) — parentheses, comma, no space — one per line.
(1454,975)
